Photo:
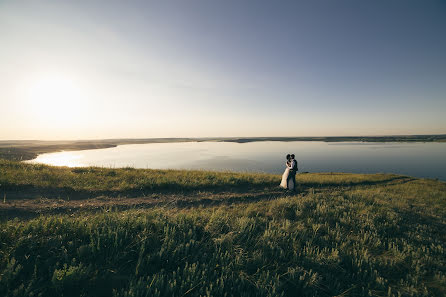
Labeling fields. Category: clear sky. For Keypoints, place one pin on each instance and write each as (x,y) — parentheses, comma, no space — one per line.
(112,69)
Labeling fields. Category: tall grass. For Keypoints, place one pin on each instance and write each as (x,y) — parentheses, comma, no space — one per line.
(370,241)
(345,235)
(90,180)
(18,175)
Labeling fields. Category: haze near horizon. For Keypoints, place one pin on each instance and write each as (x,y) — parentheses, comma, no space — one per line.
(141,69)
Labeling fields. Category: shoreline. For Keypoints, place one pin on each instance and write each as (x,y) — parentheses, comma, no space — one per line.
(22,150)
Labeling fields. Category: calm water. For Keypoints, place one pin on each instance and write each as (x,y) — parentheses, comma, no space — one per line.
(415,159)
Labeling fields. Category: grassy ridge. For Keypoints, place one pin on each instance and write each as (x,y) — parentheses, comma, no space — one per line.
(88,181)
(344,235)
(16,175)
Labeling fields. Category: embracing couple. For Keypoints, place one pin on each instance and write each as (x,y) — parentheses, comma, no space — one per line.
(289,176)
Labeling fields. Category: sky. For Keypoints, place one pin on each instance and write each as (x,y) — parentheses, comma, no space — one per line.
(141,69)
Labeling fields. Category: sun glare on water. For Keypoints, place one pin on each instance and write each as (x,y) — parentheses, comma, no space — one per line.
(69,159)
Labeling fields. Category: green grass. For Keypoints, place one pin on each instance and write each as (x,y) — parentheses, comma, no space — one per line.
(130,181)
(15,175)
(343,235)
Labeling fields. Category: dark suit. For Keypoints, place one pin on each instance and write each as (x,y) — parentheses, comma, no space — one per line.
(293,171)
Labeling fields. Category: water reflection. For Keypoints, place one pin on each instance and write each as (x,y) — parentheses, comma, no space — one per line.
(70,159)
(415,159)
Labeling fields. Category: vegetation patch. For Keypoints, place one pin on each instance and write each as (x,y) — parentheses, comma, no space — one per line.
(342,235)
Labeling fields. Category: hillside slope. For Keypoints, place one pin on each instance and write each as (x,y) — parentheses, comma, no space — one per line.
(129,232)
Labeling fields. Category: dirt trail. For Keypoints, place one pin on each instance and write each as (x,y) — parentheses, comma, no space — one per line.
(28,208)
(31,206)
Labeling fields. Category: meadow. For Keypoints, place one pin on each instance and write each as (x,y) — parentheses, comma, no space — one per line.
(233,234)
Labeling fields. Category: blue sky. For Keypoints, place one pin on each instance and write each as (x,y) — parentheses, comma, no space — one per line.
(105,69)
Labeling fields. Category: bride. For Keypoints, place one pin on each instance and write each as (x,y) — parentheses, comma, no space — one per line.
(287,183)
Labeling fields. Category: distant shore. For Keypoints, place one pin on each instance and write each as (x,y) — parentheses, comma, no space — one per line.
(30,149)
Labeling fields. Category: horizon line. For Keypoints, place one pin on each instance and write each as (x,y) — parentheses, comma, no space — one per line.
(231,137)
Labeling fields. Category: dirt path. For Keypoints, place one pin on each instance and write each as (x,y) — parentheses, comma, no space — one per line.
(28,208)
(31,206)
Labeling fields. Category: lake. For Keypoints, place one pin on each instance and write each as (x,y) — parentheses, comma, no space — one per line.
(415,159)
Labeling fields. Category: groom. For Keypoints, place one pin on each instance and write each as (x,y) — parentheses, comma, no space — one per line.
(293,171)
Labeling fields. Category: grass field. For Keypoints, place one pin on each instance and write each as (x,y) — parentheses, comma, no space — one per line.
(134,232)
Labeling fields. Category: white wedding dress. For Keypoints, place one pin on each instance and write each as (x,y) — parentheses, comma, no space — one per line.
(284,184)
